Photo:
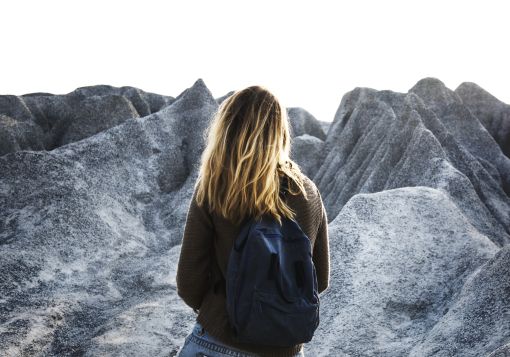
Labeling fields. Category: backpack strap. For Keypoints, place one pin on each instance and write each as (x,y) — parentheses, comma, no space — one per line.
(284,184)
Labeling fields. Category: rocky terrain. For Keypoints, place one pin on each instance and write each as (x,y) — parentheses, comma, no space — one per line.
(95,186)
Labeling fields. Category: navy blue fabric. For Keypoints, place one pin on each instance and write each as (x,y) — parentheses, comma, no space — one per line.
(271,283)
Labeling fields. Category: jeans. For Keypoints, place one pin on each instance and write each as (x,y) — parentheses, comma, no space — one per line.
(200,344)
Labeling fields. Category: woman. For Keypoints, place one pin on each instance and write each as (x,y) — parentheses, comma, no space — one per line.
(246,157)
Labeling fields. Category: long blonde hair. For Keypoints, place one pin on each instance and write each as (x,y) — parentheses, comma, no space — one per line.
(246,156)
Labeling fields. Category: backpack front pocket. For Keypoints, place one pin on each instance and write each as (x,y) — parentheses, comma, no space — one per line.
(273,321)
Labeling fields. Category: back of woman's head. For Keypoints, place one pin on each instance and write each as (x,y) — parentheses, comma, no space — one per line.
(247,154)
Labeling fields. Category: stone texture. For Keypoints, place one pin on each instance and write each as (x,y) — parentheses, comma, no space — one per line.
(401,258)
(44,121)
(90,232)
(95,186)
(302,122)
(492,113)
(381,140)
(478,320)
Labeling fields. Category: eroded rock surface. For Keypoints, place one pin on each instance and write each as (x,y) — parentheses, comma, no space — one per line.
(95,186)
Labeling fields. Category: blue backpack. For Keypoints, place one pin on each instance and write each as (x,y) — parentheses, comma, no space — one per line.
(271,284)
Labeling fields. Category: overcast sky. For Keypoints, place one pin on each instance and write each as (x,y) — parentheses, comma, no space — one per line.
(309,53)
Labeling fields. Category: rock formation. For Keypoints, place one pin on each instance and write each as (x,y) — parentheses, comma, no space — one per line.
(492,113)
(95,186)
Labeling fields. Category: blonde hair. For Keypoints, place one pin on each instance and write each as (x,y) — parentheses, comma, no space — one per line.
(246,155)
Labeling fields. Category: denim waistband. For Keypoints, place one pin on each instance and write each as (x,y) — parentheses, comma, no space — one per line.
(202,338)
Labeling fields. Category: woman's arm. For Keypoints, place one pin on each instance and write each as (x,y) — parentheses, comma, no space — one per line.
(193,269)
(320,254)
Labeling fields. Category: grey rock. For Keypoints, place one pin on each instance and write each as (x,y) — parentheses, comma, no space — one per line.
(305,151)
(19,129)
(381,140)
(90,230)
(503,351)
(464,126)
(325,126)
(400,258)
(478,320)
(18,135)
(491,112)
(44,121)
(302,122)
(93,115)
(94,191)
(145,103)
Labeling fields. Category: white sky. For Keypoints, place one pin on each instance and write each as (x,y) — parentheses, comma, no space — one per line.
(309,53)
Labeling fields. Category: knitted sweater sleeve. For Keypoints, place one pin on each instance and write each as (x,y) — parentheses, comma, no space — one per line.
(320,254)
(193,268)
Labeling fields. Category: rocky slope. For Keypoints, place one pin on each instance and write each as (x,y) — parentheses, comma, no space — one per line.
(95,184)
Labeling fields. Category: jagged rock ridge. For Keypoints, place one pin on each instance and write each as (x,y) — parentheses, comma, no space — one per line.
(95,185)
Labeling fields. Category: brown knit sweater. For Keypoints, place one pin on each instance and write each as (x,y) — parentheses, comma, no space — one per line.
(202,267)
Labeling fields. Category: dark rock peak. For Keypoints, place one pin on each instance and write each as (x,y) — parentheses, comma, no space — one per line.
(434,92)
(15,107)
(469,91)
(195,96)
(38,94)
(489,110)
(303,122)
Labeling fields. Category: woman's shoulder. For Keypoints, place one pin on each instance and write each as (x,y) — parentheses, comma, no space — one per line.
(312,192)
(310,208)
(309,184)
